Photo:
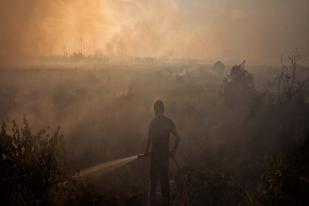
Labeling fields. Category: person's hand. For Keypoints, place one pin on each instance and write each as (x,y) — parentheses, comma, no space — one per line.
(147,153)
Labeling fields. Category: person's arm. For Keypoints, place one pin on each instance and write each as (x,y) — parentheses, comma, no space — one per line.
(149,141)
(177,140)
(148,145)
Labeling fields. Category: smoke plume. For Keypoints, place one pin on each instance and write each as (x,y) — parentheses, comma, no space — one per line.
(259,31)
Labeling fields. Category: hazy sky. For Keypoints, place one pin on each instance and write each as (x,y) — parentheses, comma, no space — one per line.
(259,31)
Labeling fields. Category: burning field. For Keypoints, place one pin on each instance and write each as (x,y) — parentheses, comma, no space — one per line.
(104,111)
(80,85)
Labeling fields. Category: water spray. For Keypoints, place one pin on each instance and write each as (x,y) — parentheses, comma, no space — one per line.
(107,167)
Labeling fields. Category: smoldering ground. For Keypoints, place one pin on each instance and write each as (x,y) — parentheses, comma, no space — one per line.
(104,114)
(104,107)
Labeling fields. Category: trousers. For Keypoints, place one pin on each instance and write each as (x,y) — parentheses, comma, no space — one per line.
(159,173)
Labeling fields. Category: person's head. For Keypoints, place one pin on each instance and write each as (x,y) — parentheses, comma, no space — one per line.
(158,107)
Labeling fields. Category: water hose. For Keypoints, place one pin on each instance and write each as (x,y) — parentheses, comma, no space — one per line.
(184,192)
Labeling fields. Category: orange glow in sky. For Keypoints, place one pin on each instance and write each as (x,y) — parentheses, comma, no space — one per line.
(259,31)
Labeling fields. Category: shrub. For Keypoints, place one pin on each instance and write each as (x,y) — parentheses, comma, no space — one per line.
(238,87)
(30,164)
(219,67)
(283,182)
(213,187)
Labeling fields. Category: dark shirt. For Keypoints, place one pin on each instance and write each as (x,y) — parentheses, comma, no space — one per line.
(159,132)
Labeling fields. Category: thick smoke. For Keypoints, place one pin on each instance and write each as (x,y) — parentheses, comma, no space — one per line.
(259,31)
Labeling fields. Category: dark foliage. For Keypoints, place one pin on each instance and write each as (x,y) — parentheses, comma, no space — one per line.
(261,155)
(30,165)
(285,181)
(219,66)
(215,187)
(33,172)
(238,87)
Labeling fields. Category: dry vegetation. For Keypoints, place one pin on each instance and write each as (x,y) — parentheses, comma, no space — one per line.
(245,134)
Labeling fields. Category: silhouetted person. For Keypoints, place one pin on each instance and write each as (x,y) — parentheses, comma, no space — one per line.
(160,129)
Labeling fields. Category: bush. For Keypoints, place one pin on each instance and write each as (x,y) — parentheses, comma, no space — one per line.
(238,87)
(219,67)
(214,187)
(33,172)
(283,181)
(30,164)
